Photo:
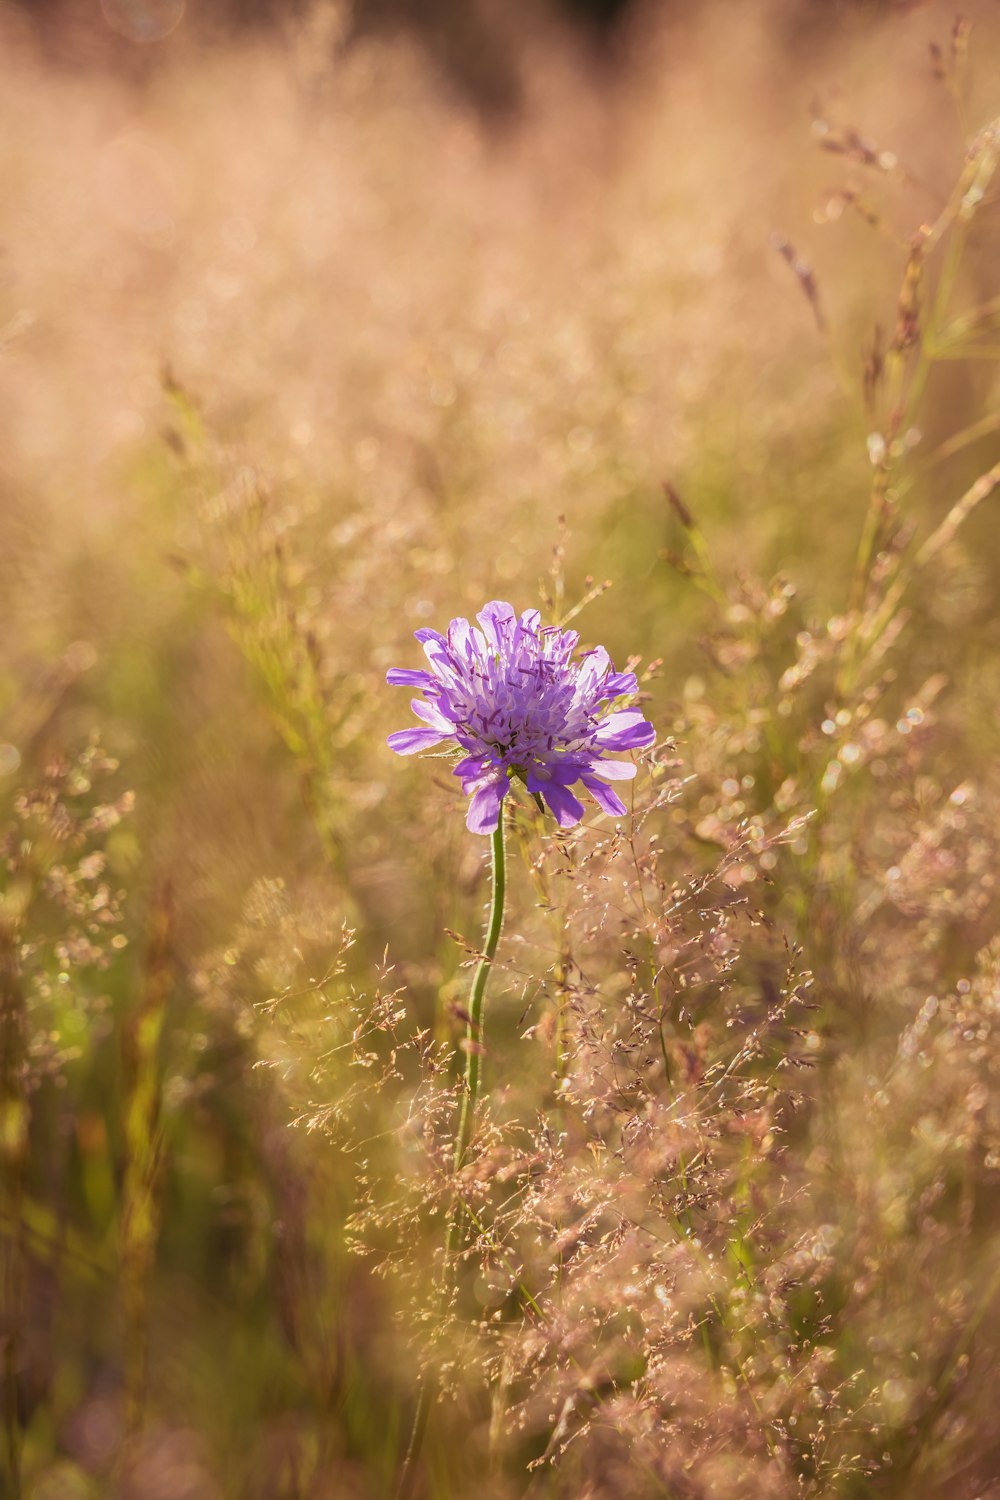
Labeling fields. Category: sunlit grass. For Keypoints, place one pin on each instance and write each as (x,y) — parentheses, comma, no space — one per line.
(297,355)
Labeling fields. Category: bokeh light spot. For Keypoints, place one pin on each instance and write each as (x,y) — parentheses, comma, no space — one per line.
(143,20)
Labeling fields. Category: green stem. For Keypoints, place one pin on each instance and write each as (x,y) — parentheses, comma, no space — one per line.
(466,1119)
(474,1026)
(143,1140)
(13,1160)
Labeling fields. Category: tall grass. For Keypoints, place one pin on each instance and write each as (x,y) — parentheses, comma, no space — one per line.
(280,387)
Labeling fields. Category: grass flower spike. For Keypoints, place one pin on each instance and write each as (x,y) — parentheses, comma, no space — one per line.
(512,696)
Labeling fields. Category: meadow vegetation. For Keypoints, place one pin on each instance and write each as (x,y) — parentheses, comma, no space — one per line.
(299,355)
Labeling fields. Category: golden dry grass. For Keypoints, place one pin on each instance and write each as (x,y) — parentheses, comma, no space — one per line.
(299,353)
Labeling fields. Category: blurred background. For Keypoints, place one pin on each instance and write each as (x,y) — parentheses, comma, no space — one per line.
(322,322)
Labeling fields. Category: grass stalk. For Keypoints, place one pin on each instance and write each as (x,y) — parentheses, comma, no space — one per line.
(13,1156)
(143,1147)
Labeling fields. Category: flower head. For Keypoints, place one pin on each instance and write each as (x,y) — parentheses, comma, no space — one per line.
(511,696)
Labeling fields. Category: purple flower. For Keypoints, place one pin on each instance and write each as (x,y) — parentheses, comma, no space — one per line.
(513,699)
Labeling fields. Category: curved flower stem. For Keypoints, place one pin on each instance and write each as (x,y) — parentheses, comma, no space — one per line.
(466,1118)
(474,1026)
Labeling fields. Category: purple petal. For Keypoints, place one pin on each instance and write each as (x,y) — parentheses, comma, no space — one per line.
(612,770)
(484,809)
(562,802)
(431,714)
(624,730)
(619,683)
(541,776)
(425,634)
(492,617)
(594,666)
(409,741)
(607,799)
(459,635)
(437,652)
(471,769)
(403,677)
